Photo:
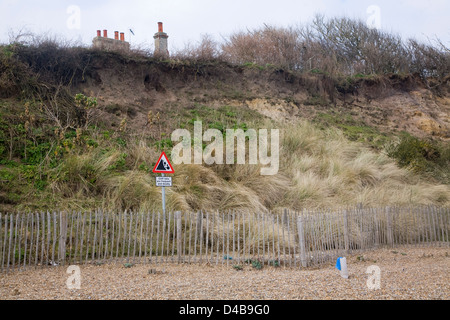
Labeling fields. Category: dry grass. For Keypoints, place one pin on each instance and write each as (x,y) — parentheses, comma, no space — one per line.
(318,169)
(329,171)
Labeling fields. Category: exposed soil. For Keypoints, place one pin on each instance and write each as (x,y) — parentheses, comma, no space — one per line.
(389,103)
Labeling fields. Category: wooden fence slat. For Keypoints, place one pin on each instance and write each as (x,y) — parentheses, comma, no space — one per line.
(96,235)
(447,225)
(287,216)
(54,237)
(11,224)
(2,249)
(88,237)
(101,252)
(163,236)
(283,220)
(435,225)
(21,232)
(294,245)
(213,215)
(252,234)
(15,241)
(78,213)
(207,236)
(146,236)
(443,224)
(13,253)
(218,236)
(174,233)
(168,238)
(157,238)
(119,230)
(313,219)
(243,234)
(136,225)
(228,237)
(223,237)
(124,237)
(274,236)
(62,237)
(105,253)
(113,234)
(258,233)
(1,242)
(70,237)
(278,237)
(83,223)
(129,237)
(197,232)
(151,236)
(301,238)
(31,240)
(190,236)
(37,241)
(178,224)
(195,236)
(141,231)
(201,236)
(49,235)
(317,223)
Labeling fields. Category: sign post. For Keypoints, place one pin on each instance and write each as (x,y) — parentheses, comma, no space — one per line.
(163,166)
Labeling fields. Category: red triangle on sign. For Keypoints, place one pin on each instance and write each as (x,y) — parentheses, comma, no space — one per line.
(163,165)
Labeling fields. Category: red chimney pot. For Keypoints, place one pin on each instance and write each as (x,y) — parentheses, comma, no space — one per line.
(105,33)
(160,27)
(99,33)
(122,36)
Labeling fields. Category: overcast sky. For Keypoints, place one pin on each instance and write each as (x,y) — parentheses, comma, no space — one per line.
(186,20)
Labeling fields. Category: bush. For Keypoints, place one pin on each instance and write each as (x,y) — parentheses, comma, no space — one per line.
(420,155)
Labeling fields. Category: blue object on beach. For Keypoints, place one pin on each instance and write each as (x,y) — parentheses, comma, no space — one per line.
(338,264)
(227,258)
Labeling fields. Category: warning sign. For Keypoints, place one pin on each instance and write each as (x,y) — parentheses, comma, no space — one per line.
(163,181)
(163,165)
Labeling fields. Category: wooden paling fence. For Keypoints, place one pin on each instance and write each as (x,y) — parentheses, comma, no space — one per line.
(290,239)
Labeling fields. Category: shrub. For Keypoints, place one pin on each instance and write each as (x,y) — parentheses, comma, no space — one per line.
(414,153)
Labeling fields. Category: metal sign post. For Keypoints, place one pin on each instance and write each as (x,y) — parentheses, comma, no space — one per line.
(163,191)
(163,166)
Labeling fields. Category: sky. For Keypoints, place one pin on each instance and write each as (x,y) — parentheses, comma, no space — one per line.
(186,21)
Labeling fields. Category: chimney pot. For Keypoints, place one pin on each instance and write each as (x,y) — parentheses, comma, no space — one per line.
(105,33)
(99,33)
(116,35)
(122,36)
(160,27)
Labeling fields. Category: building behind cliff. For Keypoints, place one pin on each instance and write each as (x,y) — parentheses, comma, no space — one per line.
(109,44)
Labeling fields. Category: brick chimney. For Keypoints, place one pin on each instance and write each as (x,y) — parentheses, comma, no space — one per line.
(161,47)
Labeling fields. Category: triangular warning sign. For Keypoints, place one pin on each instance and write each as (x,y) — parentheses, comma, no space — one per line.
(163,165)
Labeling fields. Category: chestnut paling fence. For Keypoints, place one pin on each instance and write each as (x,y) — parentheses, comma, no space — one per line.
(290,239)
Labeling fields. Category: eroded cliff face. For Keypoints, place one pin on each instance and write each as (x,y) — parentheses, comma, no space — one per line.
(390,103)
